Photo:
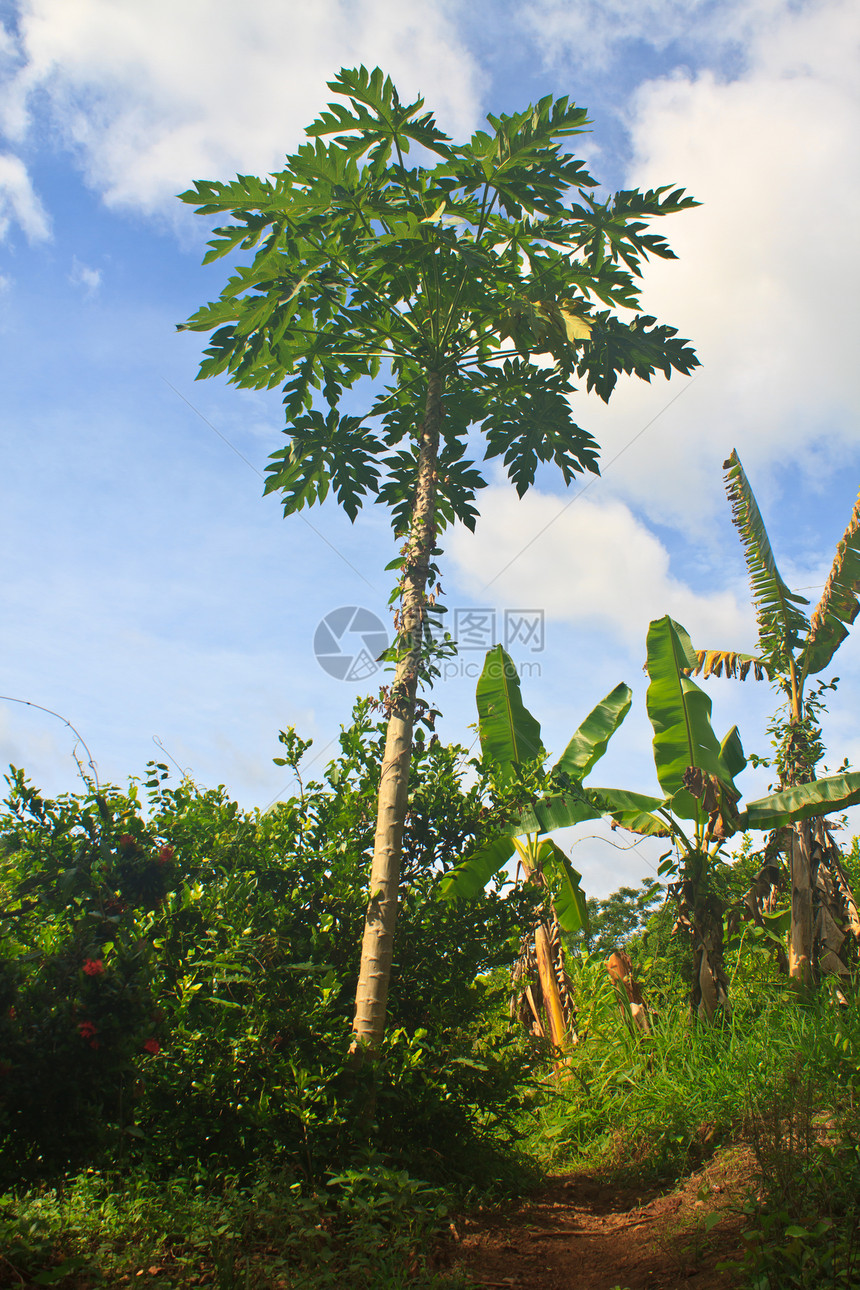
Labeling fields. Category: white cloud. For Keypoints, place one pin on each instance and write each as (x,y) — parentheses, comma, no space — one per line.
(18,202)
(593,33)
(154,96)
(767,274)
(83,276)
(590,563)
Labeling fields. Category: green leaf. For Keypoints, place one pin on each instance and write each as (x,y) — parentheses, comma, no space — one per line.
(633,811)
(510,735)
(821,797)
(839,605)
(680,714)
(590,740)
(561,812)
(781,625)
(568,898)
(471,877)
(732,753)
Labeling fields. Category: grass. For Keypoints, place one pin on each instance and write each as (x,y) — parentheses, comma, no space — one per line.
(664,1101)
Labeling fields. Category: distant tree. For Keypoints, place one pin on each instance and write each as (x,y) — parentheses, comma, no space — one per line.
(621,917)
(462,295)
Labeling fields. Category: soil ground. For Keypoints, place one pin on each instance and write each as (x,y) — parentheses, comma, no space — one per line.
(582,1232)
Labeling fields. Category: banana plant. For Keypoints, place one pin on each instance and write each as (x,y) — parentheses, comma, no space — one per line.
(511,746)
(792,648)
(698,810)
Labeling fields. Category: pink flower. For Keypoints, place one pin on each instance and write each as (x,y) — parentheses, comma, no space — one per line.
(87,1029)
(94,967)
(165,854)
(152,1046)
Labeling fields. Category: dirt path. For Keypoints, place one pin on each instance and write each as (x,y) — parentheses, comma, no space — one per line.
(582,1234)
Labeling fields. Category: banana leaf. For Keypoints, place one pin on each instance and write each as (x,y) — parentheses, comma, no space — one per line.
(568,898)
(714,662)
(821,797)
(680,713)
(633,811)
(781,625)
(470,877)
(509,734)
(589,742)
(732,753)
(559,812)
(839,605)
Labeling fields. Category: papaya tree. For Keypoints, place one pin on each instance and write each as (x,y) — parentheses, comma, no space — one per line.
(410,312)
(698,811)
(792,649)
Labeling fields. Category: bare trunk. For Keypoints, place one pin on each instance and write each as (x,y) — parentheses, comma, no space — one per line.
(542,987)
(700,912)
(549,988)
(801,946)
(378,943)
(628,991)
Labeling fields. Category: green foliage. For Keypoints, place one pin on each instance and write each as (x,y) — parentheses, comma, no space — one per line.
(370,1227)
(782,626)
(803,1227)
(655,1105)
(367,269)
(619,921)
(512,756)
(680,714)
(177,978)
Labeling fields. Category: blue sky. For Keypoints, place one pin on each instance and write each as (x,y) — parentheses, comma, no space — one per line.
(150,591)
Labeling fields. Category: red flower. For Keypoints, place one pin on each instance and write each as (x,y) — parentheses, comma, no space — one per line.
(152,1046)
(127,840)
(12,1014)
(94,967)
(87,1029)
(94,1043)
(165,854)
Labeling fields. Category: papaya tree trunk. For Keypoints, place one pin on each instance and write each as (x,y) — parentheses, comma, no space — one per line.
(377,947)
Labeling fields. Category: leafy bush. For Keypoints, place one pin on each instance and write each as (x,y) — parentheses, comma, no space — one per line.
(177,978)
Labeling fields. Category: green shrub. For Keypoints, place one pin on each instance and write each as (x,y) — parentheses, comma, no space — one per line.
(177,977)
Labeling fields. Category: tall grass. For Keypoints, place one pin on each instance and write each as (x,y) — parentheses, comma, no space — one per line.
(659,1103)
